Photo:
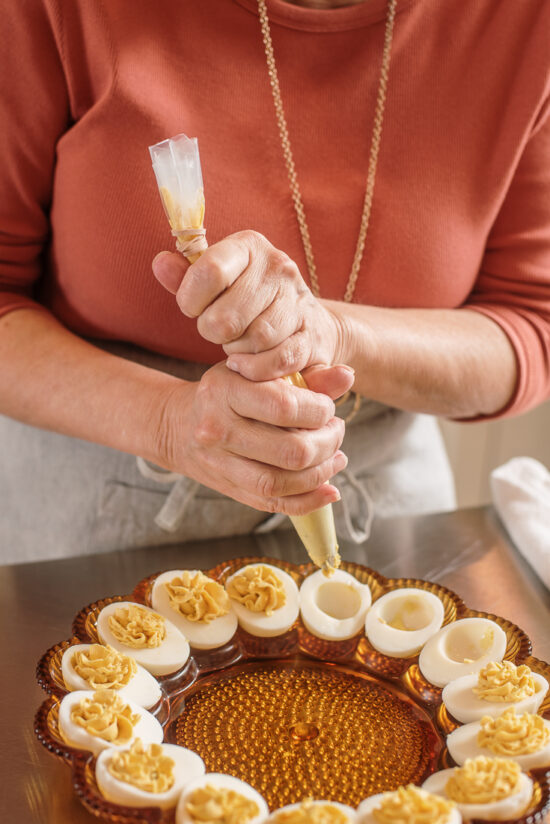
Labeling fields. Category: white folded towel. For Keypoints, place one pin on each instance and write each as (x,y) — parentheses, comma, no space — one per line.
(521,495)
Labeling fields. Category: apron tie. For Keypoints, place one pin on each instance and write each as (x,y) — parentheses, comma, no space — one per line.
(179,499)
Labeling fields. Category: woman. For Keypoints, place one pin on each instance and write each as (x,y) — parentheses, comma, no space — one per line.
(450,311)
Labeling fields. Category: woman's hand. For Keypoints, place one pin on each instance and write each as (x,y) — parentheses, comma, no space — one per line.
(268,444)
(250,297)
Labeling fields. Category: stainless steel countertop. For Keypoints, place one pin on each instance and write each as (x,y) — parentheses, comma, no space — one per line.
(467,551)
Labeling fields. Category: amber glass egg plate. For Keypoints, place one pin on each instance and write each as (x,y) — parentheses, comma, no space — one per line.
(295,716)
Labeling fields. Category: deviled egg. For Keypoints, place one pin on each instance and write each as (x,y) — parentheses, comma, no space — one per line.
(334,608)
(493,789)
(409,804)
(139,631)
(96,720)
(99,666)
(228,797)
(265,599)
(146,776)
(198,606)
(494,689)
(400,622)
(461,648)
(314,812)
(524,737)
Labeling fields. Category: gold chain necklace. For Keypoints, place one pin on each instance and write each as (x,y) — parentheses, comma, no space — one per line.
(289,159)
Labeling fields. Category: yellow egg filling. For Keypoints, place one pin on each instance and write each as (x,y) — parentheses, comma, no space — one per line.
(410,805)
(197,597)
(190,218)
(512,734)
(309,813)
(258,588)
(105,716)
(137,627)
(103,667)
(147,769)
(503,681)
(219,805)
(483,780)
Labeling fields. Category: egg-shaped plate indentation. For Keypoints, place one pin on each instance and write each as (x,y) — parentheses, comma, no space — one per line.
(49,674)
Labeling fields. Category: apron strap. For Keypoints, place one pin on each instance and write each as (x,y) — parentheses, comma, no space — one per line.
(179,498)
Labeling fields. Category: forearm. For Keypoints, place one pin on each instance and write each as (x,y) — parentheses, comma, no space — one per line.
(453,363)
(52,379)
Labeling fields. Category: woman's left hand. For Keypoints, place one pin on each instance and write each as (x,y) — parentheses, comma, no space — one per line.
(250,297)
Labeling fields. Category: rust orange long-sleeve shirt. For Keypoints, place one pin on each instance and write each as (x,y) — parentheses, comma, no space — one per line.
(461,212)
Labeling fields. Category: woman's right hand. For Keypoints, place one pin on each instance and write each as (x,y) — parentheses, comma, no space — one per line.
(270,445)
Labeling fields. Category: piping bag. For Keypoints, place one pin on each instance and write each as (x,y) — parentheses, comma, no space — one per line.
(177,168)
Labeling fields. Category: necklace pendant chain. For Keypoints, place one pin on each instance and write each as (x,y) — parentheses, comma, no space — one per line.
(289,158)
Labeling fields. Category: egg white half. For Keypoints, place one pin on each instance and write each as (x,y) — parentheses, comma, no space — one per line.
(147,728)
(366,809)
(280,620)
(462,744)
(423,610)
(511,807)
(200,635)
(334,608)
(168,657)
(466,706)
(142,688)
(461,648)
(342,808)
(227,782)
(187,767)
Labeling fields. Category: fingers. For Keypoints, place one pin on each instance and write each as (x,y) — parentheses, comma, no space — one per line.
(214,272)
(263,319)
(333,381)
(262,487)
(295,450)
(169,269)
(292,355)
(278,403)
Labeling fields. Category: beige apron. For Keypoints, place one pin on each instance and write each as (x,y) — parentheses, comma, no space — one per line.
(61,496)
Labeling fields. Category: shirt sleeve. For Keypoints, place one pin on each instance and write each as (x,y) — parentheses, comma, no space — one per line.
(34,113)
(513,287)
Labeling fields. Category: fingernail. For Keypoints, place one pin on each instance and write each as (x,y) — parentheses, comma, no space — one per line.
(335,493)
(349,369)
(231,365)
(340,460)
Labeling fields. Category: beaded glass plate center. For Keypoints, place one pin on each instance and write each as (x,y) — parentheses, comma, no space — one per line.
(298,729)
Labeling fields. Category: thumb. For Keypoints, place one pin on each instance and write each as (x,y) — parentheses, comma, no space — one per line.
(169,269)
(333,381)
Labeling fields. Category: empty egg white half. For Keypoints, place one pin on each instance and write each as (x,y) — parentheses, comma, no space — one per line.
(227,782)
(462,744)
(349,812)
(401,621)
(365,811)
(168,657)
(142,688)
(466,706)
(461,648)
(187,767)
(334,607)
(200,634)
(511,807)
(281,619)
(147,728)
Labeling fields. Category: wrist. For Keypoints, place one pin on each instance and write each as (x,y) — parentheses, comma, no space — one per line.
(165,424)
(346,335)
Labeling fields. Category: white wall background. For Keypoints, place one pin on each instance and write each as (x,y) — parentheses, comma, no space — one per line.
(475,449)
